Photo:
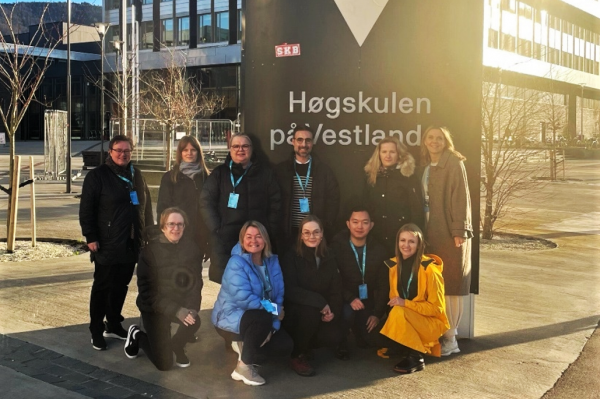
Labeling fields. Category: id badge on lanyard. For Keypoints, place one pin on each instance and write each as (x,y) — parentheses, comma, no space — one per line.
(304,205)
(134,198)
(234,198)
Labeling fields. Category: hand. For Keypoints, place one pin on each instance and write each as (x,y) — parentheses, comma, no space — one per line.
(357,304)
(281,313)
(458,241)
(325,310)
(372,322)
(93,246)
(187,316)
(327,317)
(396,301)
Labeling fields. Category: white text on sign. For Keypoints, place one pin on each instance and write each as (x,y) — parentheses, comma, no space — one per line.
(287,50)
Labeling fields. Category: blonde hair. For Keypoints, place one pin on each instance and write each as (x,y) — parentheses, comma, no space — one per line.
(266,252)
(448,145)
(322,247)
(373,165)
(167,212)
(416,231)
(183,142)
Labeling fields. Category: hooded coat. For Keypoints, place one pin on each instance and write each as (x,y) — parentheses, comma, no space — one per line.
(393,201)
(242,289)
(421,321)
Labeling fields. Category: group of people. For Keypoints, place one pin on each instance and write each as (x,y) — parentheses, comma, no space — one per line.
(395,276)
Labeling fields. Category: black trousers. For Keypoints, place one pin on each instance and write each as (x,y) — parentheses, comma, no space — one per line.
(307,330)
(255,326)
(109,290)
(156,341)
(357,321)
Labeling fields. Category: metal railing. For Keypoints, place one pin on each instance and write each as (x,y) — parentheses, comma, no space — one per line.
(151,139)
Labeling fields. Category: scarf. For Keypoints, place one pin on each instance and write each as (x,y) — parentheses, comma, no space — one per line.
(119,170)
(190,169)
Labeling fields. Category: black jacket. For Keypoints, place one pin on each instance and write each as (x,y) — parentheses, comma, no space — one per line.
(259,199)
(376,273)
(169,276)
(106,215)
(325,197)
(394,201)
(307,284)
(185,194)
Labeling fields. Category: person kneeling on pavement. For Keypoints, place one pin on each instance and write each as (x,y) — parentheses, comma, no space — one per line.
(249,307)
(169,278)
(417,318)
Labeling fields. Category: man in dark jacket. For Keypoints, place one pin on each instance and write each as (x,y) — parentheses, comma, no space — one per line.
(308,187)
(241,189)
(114,209)
(364,278)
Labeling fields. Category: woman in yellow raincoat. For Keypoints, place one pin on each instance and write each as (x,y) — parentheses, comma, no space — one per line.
(418,315)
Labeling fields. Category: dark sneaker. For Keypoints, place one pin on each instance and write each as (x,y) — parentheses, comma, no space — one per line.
(248,374)
(193,339)
(98,342)
(114,331)
(410,364)
(181,360)
(132,346)
(301,366)
(342,352)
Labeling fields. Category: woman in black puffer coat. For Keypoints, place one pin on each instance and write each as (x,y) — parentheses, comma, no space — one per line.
(392,191)
(169,277)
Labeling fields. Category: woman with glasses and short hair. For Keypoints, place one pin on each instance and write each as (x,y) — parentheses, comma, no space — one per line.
(114,209)
(313,295)
(243,188)
(169,278)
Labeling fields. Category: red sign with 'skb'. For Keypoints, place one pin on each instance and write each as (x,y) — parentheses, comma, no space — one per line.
(287,50)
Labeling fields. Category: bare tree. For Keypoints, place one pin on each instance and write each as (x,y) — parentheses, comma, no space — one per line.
(175,99)
(24,61)
(510,116)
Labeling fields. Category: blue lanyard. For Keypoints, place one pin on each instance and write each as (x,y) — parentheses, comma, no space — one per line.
(235,184)
(303,188)
(126,179)
(408,285)
(364,259)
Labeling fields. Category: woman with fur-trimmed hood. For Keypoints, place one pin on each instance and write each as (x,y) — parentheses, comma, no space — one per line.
(392,191)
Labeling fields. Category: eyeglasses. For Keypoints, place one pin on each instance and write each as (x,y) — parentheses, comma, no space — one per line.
(119,151)
(308,234)
(301,140)
(172,225)
(242,147)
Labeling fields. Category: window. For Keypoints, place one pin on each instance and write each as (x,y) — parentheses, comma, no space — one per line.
(239,34)
(183,38)
(146,34)
(222,27)
(493,38)
(507,42)
(204,29)
(166,32)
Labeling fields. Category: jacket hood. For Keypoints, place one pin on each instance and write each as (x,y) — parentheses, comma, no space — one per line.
(428,260)
(407,167)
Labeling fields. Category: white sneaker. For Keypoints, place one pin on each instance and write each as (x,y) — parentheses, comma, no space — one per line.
(248,374)
(449,346)
(237,348)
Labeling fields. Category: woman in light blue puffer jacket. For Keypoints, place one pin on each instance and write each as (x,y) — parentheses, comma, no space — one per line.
(249,308)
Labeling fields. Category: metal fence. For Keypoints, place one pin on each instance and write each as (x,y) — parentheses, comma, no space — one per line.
(152,135)
(55,144)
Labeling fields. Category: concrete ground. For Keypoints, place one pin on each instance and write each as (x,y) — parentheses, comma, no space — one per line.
(535,320)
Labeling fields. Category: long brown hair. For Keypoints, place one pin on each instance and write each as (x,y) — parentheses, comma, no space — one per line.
(322,247)
(416,231)
(374,163)
(449,145)
(183,142)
